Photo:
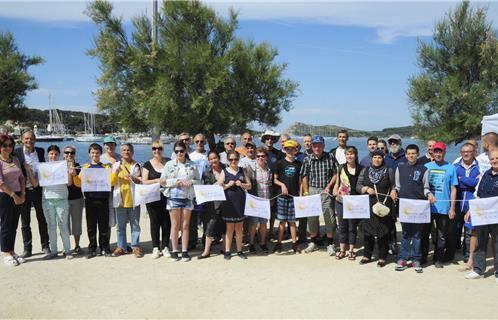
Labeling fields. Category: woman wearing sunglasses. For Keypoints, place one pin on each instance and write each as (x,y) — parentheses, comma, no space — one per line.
(234,180)
(160,223)
(178,177)
(11,198)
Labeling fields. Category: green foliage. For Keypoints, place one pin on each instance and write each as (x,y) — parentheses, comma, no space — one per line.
(15,81)
(198,77)
(457,85)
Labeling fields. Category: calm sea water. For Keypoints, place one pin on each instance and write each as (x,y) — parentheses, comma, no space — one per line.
(144,153)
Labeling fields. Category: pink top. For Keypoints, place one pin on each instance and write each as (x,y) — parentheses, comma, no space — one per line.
(9,174)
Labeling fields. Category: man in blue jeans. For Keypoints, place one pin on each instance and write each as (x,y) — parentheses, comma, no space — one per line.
(412,183)
(488,187)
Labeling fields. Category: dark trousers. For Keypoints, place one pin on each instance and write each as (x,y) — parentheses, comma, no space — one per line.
(193,234)
(97,215)
(369,244)
(33,199)
(348,228)
(302,231)
(483,233)
(9,217)
(424,240)
(444,246)
(160,224)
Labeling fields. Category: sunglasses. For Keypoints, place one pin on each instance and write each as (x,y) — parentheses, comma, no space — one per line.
(269,138)
(233,159)
(180,151)
(199,141)
(157,148)
(186,139)
(7,145)
(70,152)
(381,148)
(230,143)
(261,156)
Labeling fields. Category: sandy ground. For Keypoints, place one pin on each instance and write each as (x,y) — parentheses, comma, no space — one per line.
(275,286)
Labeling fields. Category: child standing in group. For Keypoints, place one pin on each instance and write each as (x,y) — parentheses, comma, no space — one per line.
(287,178)
(56,210)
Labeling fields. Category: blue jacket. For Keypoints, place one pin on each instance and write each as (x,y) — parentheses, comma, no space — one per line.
(489,185)
(393,162)
(467,183)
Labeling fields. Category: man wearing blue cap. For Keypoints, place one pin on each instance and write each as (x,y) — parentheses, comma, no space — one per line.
(319,175)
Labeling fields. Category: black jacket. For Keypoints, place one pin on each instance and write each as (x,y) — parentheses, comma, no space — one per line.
(19,153)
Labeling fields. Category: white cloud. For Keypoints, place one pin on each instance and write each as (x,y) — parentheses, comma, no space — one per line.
(391,20)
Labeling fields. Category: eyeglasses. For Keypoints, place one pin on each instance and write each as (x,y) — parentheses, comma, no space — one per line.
(157,148)
(269,138)
(230,143)
(199,141)
(260,156)
(7,145)
(70,152)
(180,151)
(186,139)
(233,159)
(381,148)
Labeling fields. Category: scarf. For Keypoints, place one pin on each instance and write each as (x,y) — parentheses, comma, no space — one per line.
(377,174)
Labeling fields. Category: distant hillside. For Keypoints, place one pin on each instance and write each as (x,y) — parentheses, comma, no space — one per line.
(301,129)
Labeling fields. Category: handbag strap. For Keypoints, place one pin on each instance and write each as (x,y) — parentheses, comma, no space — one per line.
(377,195)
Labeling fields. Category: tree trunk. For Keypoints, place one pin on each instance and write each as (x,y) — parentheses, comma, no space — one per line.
(211,140)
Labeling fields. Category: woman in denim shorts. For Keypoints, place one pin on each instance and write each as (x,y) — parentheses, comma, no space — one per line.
(178,177)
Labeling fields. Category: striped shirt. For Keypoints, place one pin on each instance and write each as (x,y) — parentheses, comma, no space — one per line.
(318,170)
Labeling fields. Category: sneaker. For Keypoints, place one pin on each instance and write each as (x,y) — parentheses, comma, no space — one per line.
(438,264)
(118,252)
(400,265)
(473,275)
(49,256)
(417,267)
(311,247)
(295,248)
(26,254)
(156,253)
(106,253)
(18,258)
(166,252)
(227,255)
(277,248)
(252,248)
(331,250)
(185,256)
(68,255)
(264,248)
(10,261)
(242,255)
(174,256)
(91,254)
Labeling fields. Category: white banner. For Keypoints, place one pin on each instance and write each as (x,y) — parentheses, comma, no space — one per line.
(95,179)
(484,211)
(257,207)
(206,193)
(52,173)
(309,206)
(146,193)
(356,207)
(414,211)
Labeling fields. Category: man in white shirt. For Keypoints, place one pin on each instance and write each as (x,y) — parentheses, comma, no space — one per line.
(250,159)
(489,143)
(229,144)
(339,152)
(199,155)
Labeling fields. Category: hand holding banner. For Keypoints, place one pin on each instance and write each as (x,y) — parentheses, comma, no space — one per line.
(96,179)
(146,193)
(309,206)
(257,207)
(52,173)
(206,193)
(484,211)
(414,211)
(356,207)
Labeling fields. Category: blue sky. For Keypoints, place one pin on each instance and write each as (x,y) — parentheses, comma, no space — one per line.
(351,59)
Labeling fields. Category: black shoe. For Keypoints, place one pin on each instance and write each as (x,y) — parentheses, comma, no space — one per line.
(264,248)
(252,248)
(203,257)
(91,254)
(106,253)
(301,241)
(46,250)
(438,264)
(423,261)
(26,254)
(50,256)
(277,248)
(78,251)
(185,256)
(174,256)
(242,255)
(227,255)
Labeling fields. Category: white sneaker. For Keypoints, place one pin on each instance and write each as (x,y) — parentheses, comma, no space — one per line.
(166,252)
(310,248)
(156,253)
(473,275)
(331,250)
(18,258)
(10,261)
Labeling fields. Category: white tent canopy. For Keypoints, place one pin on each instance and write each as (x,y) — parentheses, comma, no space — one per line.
(489,124)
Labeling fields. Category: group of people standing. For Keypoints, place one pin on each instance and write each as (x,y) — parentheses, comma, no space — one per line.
(387,173)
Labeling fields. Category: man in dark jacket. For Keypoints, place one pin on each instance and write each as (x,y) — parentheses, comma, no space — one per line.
(31,156)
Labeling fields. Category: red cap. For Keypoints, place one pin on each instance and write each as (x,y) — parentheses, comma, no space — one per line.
(440,146)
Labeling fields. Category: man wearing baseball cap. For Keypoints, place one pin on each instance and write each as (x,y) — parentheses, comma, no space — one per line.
(442,183)
(318,174)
